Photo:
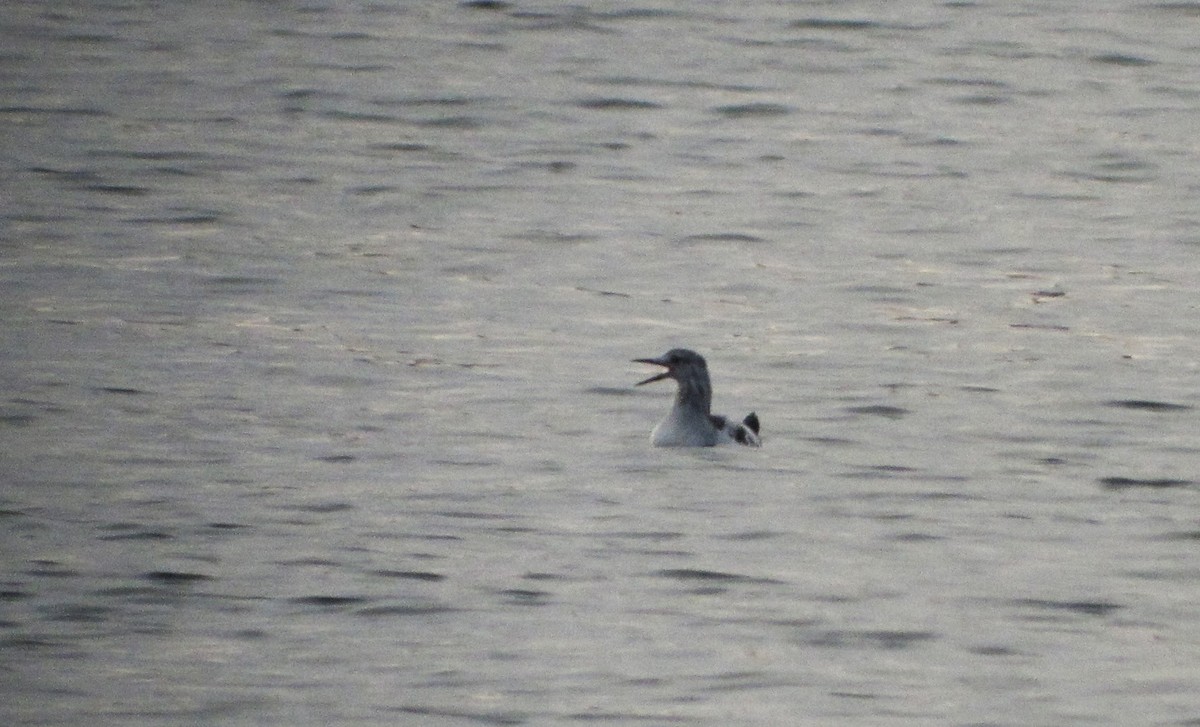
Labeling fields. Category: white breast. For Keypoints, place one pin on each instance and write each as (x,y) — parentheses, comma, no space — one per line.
(679,430)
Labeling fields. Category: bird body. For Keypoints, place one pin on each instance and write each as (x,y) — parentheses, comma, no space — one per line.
(691,423)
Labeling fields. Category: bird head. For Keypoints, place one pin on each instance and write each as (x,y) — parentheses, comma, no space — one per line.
(680,364)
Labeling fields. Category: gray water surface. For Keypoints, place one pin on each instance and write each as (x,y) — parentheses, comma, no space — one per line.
(316,397)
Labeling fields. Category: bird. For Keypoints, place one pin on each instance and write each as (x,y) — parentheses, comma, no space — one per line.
(691,422)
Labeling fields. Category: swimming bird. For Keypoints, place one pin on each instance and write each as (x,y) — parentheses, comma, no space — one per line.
(691,422)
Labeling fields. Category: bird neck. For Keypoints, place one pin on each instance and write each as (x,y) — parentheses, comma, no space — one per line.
(694,395)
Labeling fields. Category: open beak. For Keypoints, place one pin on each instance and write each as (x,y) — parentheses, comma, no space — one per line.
(656,377)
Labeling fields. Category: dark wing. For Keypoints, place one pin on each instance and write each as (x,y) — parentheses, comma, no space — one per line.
(744,433)
(751,421)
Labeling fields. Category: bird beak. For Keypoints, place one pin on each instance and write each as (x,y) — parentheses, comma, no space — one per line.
(656,377)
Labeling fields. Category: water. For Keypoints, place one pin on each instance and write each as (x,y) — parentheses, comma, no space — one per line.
(317,402)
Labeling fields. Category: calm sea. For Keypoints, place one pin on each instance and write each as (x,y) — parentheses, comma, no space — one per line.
(316,400)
